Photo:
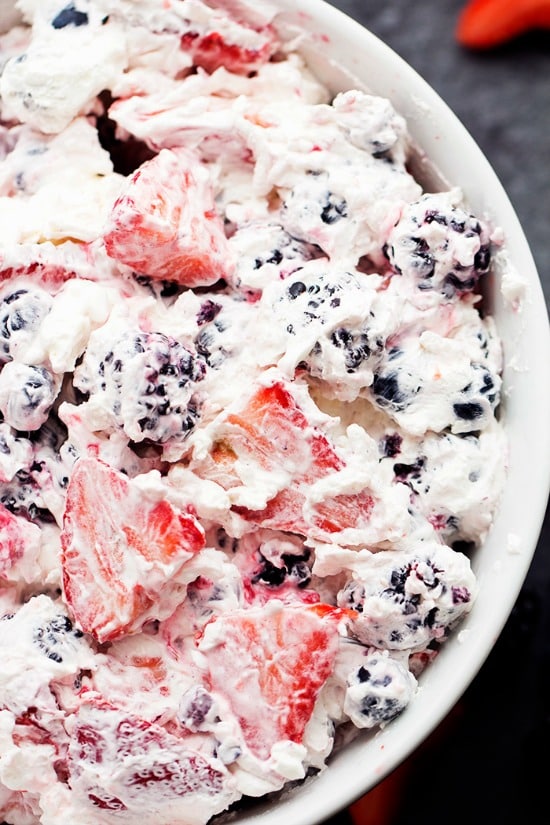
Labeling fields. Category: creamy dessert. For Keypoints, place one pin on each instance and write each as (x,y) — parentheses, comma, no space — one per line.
(250,432)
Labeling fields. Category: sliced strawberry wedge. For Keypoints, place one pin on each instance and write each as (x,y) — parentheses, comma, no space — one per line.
(270,664)
(121,762)
(165,225)
(120,551)
(275,434)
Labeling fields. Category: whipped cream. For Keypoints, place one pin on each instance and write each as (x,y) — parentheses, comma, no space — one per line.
(250,427)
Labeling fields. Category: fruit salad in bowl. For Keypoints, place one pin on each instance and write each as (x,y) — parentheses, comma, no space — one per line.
(262,346)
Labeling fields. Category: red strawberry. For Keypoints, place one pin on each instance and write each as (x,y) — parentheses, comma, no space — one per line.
(165,224)
(18,539)
(12,543)
(211,51)
(120,762)
(119,550)
(274,433)
(47,264)
(270,665)
(242,47)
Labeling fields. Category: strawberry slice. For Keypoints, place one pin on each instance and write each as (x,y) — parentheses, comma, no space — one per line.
(120,551)
(274,433)
(271,665)
(12,541)
(121,762)
(19,547)
(234,38)
(48,264)
(211,51)
(165,225)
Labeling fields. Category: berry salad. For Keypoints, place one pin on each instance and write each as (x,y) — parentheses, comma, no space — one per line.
(249,396)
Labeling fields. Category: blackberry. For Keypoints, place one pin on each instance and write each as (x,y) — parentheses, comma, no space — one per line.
(32,486)
(21,313)
(377,691)
(433,382)
(208,311)
(476,403)
(355,345)
(390,445)
(406,599)
(440,246)
(147,381)
(27,394)
(410,473)
(338,337)
(294,569)
(57,635)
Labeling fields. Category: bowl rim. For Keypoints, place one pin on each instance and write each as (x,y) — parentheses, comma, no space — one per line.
(341,50)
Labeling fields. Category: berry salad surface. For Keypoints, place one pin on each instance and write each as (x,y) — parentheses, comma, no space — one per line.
(249,398)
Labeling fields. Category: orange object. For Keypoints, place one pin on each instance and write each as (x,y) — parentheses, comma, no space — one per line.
(381,805)
(484,24)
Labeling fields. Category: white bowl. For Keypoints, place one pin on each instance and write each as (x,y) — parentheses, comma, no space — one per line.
(345,54)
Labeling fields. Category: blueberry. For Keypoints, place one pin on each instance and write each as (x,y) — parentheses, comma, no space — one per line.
(387,391)
(52,637)
(296,288)
(377,691)
(69,16)
(468,411)
(21,313)
(196,703)
(356,346)
(334,209)
(208,311)
(27,394)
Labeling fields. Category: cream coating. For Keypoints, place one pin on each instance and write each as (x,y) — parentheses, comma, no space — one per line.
(239,493)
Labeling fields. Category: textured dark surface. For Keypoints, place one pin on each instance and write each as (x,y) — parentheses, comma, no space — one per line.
(487,763)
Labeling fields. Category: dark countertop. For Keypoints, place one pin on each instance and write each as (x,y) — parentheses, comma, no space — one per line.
(486,763)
